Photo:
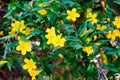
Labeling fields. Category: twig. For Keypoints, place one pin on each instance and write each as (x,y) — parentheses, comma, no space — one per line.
(3,10)
(101,74)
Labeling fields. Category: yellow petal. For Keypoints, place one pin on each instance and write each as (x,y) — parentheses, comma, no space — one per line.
(26,60)
(23,52)
(74,19)
(68,17)
(77,15)
(18,48)
(25,67)
(68,11)
(74,10)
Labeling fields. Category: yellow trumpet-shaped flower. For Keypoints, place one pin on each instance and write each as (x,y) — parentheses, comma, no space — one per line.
(17,25)
(117,22)
(23,47)
(60,56)
(54,39)
(1,33)
(99,27)
(30,65)
(103,4)
(34,73)
(95,37)
(92,17)
(113,35)
(27,30)
(88,50)
(59,41)
(72,15)
(51,35)
(3,62)
(42,12)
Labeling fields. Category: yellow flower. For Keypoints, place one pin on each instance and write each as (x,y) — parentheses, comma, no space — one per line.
(3,62)
(116,33)
(23,47)
(34,73)
(60,56)
(109,34)
(117,22)
(88,13)
(72,14)
(22,25)
(1,33)
(103,4)
(92,18)
(84,32)
(88,50)
(88,40)
(51,35)
(27,31)
(42,12)
(59,41)
(14,27)
(99,27)
(95,37)
(53,39)
(113,35)
(17,25)
(108,19)
(29,64)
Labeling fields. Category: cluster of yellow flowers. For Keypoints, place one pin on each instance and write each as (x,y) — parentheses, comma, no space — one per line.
(19,26)
(54,39)
(31,67)
(113,34)
(116,32)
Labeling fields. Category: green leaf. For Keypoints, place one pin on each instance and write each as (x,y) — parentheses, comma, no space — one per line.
(7,37)
(51,66)
(119,51)
(72,38)
(35,32)
(9,64)
(23,38)
(61,65)
(90,69)
(9,12)
(9,45)
(81,29)
(76,45)
(102,40)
